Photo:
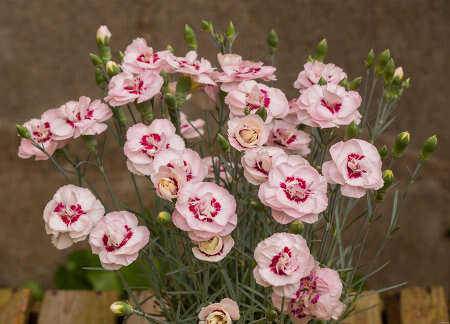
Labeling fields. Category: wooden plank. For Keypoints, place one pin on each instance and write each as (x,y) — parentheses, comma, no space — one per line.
(421,305)
(149,306)
(77,307)
(370,316)
(14,306)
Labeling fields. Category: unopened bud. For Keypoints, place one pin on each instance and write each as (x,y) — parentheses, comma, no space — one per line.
(171,100)
(95,59)
(398,73)
(321,50)
(309,59)
(389,71)
(91,143)
(170,49)
(146,111)
(100,78)
(428,147)
(370,59)
(383,152)
(382,60)
(322,81)
(271,315)
(401,142)
(207,26)
(189,37)
(388,178)
(121,308)
(257,205)
(121,56)
(406,83)
(262,112)
(23,131)
(223,142)
(296,227)
(164,217)
(355,83)
(351,131)
(103,35)
(247,111)
(272,40)
(112,68)
(230,31)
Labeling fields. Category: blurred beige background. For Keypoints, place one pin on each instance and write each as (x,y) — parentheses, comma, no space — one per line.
(44,63)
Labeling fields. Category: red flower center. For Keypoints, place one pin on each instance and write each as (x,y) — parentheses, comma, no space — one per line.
(148,58)
(135,88)
(69,214)
(41,133)
(112,244)
(281,263)
(354,169)
(151,143)
(332,107)
(204,209)
(295,189)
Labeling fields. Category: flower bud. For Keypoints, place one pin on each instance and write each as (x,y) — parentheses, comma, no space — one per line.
(112,68)
(428,148)
(321,50)
(146,111)
(370,58)
(103,35)
(189,37)
(121,308)
(171,101)
(163,74)
(23,131)
(121,56)
(207,26)
(100,78)
(91,143)
(382,60)
(388,178)
(383,152)
(389,71)
(223,142)
(262,112)
(322,81)
(164,217)
(97,61)
(355,83)
(272,40)
(398,73)
(344,83)
(271,315)
(230,31)
(170,49)
(401,142)
(405,84)
(257,205)
(296,227)
(351,131)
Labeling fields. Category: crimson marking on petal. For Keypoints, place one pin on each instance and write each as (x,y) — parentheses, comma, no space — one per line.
(354,169)
(333,108)
(274,267)
(116,246)
(295,189)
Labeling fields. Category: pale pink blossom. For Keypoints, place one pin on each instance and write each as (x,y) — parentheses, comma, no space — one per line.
(249,96)
(281,261)
(291,117)
(313,71)
(40,132)
(144,142)
(82,117)
(126,87)
(235,70)
(257,163)
(328,106)
(356,166)
(316,296)
(199,70)
(214,249)
(294,190)
(169,181)
(286,135)
(71,214)
(117,239)
(219,313)
(191,129)
(141,57)
(205,210)
(247,133)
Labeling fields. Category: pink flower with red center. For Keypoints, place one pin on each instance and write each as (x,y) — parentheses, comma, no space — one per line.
(71,214)
(313,71)
(235,70)
(294,190)
(41,133)
(140,57)
(328,106)
(82,117)
(214,249)
(286,135)
(127,87)
(356,166)
(191,129)
(199,70)
(247,133)
(205,210)
(249,96)
(282,260)
(145,142)
(219,313)
(117,239)
(315,296)
(257,163)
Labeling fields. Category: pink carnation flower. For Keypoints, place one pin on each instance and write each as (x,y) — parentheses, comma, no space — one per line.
(117,239)
(200,70)
(82,117)
(220,313)
(140,57)
(281,261)
(285,135)
(247,133)
(191,129)
(316,296)
(213,250)
(127,87)
(328,106)
(313,71)
(145,142)
(205,210)
(257,163)
(356,166)
(294,190)
(249,96)
(40,132)
(236,70)
(291,117)
(71,214)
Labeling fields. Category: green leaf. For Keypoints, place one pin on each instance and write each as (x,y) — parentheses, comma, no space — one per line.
(104,280)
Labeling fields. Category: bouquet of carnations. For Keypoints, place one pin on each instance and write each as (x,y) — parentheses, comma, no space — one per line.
(248,214)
